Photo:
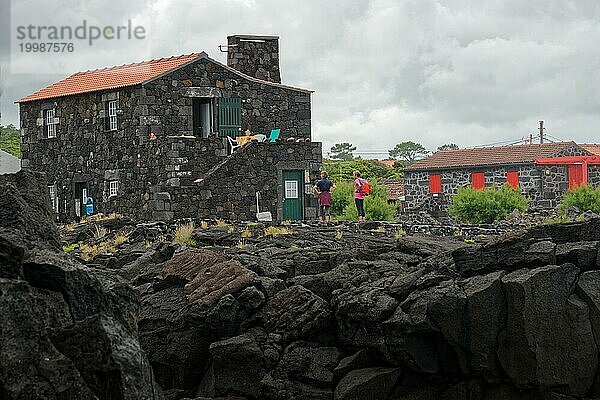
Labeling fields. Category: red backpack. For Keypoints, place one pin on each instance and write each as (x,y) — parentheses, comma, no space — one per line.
(366,188)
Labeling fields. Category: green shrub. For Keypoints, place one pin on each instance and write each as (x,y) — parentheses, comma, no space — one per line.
(376,204)
(584,198)
(486,206)
(341,198)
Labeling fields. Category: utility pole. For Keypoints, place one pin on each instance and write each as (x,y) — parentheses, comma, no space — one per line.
(541,132)
(531,138)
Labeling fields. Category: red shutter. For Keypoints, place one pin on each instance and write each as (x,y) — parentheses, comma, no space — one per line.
(512,178)
(575,175)
(478,180)
(435,184)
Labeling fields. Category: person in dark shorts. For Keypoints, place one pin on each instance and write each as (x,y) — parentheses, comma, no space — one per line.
(359,198)
(323,189)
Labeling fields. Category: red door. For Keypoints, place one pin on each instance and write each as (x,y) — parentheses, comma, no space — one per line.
(575,175)
(478,180)
(512,178)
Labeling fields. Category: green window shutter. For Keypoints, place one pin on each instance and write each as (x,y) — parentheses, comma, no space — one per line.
(230,116)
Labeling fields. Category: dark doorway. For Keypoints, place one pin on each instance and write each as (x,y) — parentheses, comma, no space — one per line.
(80,194)
(202,116)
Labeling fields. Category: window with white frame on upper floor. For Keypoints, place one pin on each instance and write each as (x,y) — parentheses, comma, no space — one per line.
(50,123)
(53,197)
(112,115)
(113,188)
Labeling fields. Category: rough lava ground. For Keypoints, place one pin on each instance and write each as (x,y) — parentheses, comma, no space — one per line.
(344,312)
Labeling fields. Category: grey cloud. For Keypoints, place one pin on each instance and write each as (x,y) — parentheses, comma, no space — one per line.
(385,71)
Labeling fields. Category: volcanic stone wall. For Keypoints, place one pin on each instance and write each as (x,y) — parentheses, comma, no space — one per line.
(594,175)
(166,103)
(83,151)
(257,56)
(229,190)
(543,184)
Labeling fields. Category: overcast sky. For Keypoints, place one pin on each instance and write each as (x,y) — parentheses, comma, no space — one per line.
(383,71)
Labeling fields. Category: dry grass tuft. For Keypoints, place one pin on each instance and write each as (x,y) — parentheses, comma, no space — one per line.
(89,252)
(183,234)
(121,238)
(222,224)
(246,233)
(100,232)
(276,231)
(399,234)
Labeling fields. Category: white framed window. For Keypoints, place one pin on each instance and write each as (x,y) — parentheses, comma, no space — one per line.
(112,115)
(53,197)
(291,189)
(113,188)
(49,122)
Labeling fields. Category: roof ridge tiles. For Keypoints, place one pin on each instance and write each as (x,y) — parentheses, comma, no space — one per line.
(154,60)
(109,78)
(490,155)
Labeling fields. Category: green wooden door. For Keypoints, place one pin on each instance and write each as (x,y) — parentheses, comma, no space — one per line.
(293,183)
(230,116)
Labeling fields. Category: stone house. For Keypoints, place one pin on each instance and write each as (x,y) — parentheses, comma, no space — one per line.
(150,139)
(543,171)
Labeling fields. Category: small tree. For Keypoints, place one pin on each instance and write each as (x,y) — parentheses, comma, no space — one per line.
(408,151)
(583,197)
(474,206)
(448,146)
(342,151)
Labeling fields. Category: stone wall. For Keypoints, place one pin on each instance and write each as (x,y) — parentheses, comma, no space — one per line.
(166,103)
(182,159)
(594,175)
(257,56)
(544,185)
(83,151)
(228,191)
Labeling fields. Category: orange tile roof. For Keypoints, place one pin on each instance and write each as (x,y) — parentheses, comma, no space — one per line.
(593,148)
(387,163)
(110,78)
(129,75)
(484,156)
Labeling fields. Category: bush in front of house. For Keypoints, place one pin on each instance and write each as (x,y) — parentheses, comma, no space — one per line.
(476,206)
(376,204)
(583,197)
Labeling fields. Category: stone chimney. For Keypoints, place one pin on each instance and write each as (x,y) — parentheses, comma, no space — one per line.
(254,55)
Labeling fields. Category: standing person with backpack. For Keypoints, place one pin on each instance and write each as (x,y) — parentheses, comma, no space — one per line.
(362,188)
